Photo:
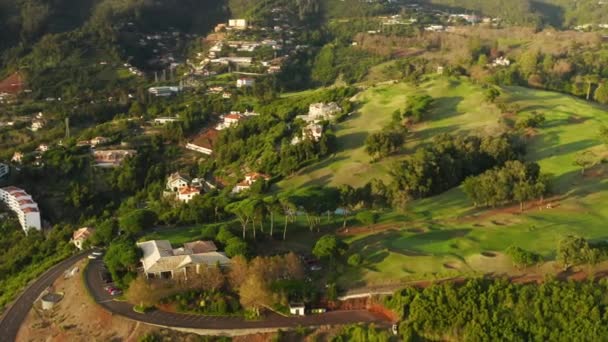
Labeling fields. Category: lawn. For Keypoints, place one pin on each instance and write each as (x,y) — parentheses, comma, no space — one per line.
(459,107)
(444,236)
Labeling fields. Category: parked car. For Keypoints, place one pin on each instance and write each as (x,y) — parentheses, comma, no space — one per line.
(112,290)
(92,257)
(97,253)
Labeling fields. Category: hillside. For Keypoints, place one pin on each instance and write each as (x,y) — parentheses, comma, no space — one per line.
(444,235)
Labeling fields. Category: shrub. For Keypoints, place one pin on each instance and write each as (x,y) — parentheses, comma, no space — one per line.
(224,235)
(209,232)
(522,257)
(236,246)
(367,217)
(354,260)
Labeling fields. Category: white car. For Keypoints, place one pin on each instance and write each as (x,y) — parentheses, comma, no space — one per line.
(97,254)
(93,256)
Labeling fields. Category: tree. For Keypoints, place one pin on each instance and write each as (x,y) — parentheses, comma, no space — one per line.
(367,217)
(528,62)
(289,211)
(136,221)
(255,293)
(590,80)
(601,93)
(121,258)
(329,246)
(491,94)
(573,250)
(273,206)
(236,246)
(585,160)
(354,260)
(603,134)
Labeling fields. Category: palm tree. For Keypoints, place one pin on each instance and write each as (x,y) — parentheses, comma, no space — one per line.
(289,210)
(590,80)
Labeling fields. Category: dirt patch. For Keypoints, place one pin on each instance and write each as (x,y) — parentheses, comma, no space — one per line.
(451,266)
(77,318)
(575,119)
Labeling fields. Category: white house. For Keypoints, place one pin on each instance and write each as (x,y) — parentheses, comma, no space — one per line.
(23,205)
(245,82)
(246,184)
(187,194)
(239,24)
(230,120)
(160,260)
(81,235)
(321,111)
(312,131)
(176,181)
(297,309)
(4,170)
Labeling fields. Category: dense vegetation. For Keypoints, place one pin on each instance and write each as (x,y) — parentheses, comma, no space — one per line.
(501,310)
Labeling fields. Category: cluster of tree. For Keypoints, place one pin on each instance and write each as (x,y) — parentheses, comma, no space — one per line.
(579,74)
(573,250)
(531,121)
(514,181)
(500,310)
(263,143)
(447,162)
(522,257)
(417,107)
(386,142)
(344,62)
(367,333)
(259,283)
(25,257)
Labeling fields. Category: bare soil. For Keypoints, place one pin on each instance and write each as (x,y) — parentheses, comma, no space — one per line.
(77,318)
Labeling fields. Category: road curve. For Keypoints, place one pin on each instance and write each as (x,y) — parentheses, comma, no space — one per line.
(179,320)
(14,315)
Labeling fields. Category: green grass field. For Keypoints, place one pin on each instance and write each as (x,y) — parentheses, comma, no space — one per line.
(459,107)
(444,235)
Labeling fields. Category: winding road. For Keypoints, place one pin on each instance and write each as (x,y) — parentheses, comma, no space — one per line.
(13,317)
(15,314)
(179,320)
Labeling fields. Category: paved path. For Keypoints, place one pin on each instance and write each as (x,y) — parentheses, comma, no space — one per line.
(163,318)
(15,315)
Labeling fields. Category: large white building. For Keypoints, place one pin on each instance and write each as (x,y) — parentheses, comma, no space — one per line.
(321,111)
(160,260)
(23,205)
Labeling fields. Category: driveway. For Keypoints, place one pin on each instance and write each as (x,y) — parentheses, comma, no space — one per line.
(95,285)
(16,313)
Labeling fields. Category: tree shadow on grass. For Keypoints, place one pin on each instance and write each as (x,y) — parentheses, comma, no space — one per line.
(555,149)
(445,107)
(351,141)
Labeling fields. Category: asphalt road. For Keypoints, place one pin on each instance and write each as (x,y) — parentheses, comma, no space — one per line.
(15,315)
(95,285)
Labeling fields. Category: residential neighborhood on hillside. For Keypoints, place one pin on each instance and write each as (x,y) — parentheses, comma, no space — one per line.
(303,170)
